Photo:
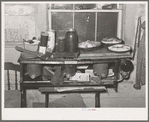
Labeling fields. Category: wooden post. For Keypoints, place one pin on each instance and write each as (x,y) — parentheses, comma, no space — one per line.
(8,79)
(46,100)
(16,81)
(97,99)
(116,69)
(24,97)
(22,89)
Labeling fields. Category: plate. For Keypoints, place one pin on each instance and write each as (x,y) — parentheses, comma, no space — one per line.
(119,48)
(90,49)
(89,44)
(111,40)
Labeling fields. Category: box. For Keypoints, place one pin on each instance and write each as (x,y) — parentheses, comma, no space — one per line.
(81,77)
(31,47)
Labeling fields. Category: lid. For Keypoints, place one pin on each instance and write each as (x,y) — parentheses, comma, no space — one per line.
(44,34)
(71,29)
(61,38)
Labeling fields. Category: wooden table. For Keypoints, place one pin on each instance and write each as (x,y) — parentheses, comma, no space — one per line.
(86,57)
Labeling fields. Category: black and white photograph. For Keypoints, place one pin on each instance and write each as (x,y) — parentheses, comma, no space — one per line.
(74,60)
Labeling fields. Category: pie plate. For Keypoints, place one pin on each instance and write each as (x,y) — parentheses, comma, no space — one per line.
(87,45)
(110,41)
(119,48)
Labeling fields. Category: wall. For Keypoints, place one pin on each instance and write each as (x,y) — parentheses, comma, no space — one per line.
(126,96)
(131,14)
(130,20)
(22,21)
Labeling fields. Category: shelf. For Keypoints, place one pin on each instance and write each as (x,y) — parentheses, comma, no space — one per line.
(55,61)
(73,89)
(106,81)
(68,84)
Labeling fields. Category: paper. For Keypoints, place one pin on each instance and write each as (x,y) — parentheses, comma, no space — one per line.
(61,89)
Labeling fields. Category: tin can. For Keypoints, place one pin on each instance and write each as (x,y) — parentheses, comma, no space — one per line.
(51,41)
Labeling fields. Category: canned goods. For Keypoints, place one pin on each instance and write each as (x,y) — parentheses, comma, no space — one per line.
(51,40)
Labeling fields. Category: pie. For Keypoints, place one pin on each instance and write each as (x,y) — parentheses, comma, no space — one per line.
(119,48)
(89,44)
(111,40)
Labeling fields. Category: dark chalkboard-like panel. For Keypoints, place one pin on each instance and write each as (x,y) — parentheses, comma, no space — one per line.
(107,23)
(84,23)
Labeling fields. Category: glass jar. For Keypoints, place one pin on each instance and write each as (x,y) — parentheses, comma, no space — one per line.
(71,39)
(61,44)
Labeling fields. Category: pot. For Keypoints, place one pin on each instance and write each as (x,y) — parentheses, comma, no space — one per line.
(100,69)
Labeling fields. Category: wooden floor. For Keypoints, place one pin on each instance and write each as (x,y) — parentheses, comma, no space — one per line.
(126,96)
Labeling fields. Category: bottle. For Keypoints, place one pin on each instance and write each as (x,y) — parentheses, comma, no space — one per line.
(51,40)
(43,43)
(71,39)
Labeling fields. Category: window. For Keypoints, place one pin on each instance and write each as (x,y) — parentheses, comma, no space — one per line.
(90,21)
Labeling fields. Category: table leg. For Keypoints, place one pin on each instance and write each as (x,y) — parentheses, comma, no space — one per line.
(46,100)
(23,98)
(116,69)
(97,99)
(22,89)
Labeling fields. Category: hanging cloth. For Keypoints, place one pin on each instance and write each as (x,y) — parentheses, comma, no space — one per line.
(140,76)
(140,71)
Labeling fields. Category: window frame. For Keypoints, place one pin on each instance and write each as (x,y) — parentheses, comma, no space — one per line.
(119,11)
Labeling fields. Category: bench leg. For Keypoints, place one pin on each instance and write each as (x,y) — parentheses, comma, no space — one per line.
(23,98)
(97,99)
(46,100)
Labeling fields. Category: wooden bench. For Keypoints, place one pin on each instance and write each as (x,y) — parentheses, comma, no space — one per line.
(80,89)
